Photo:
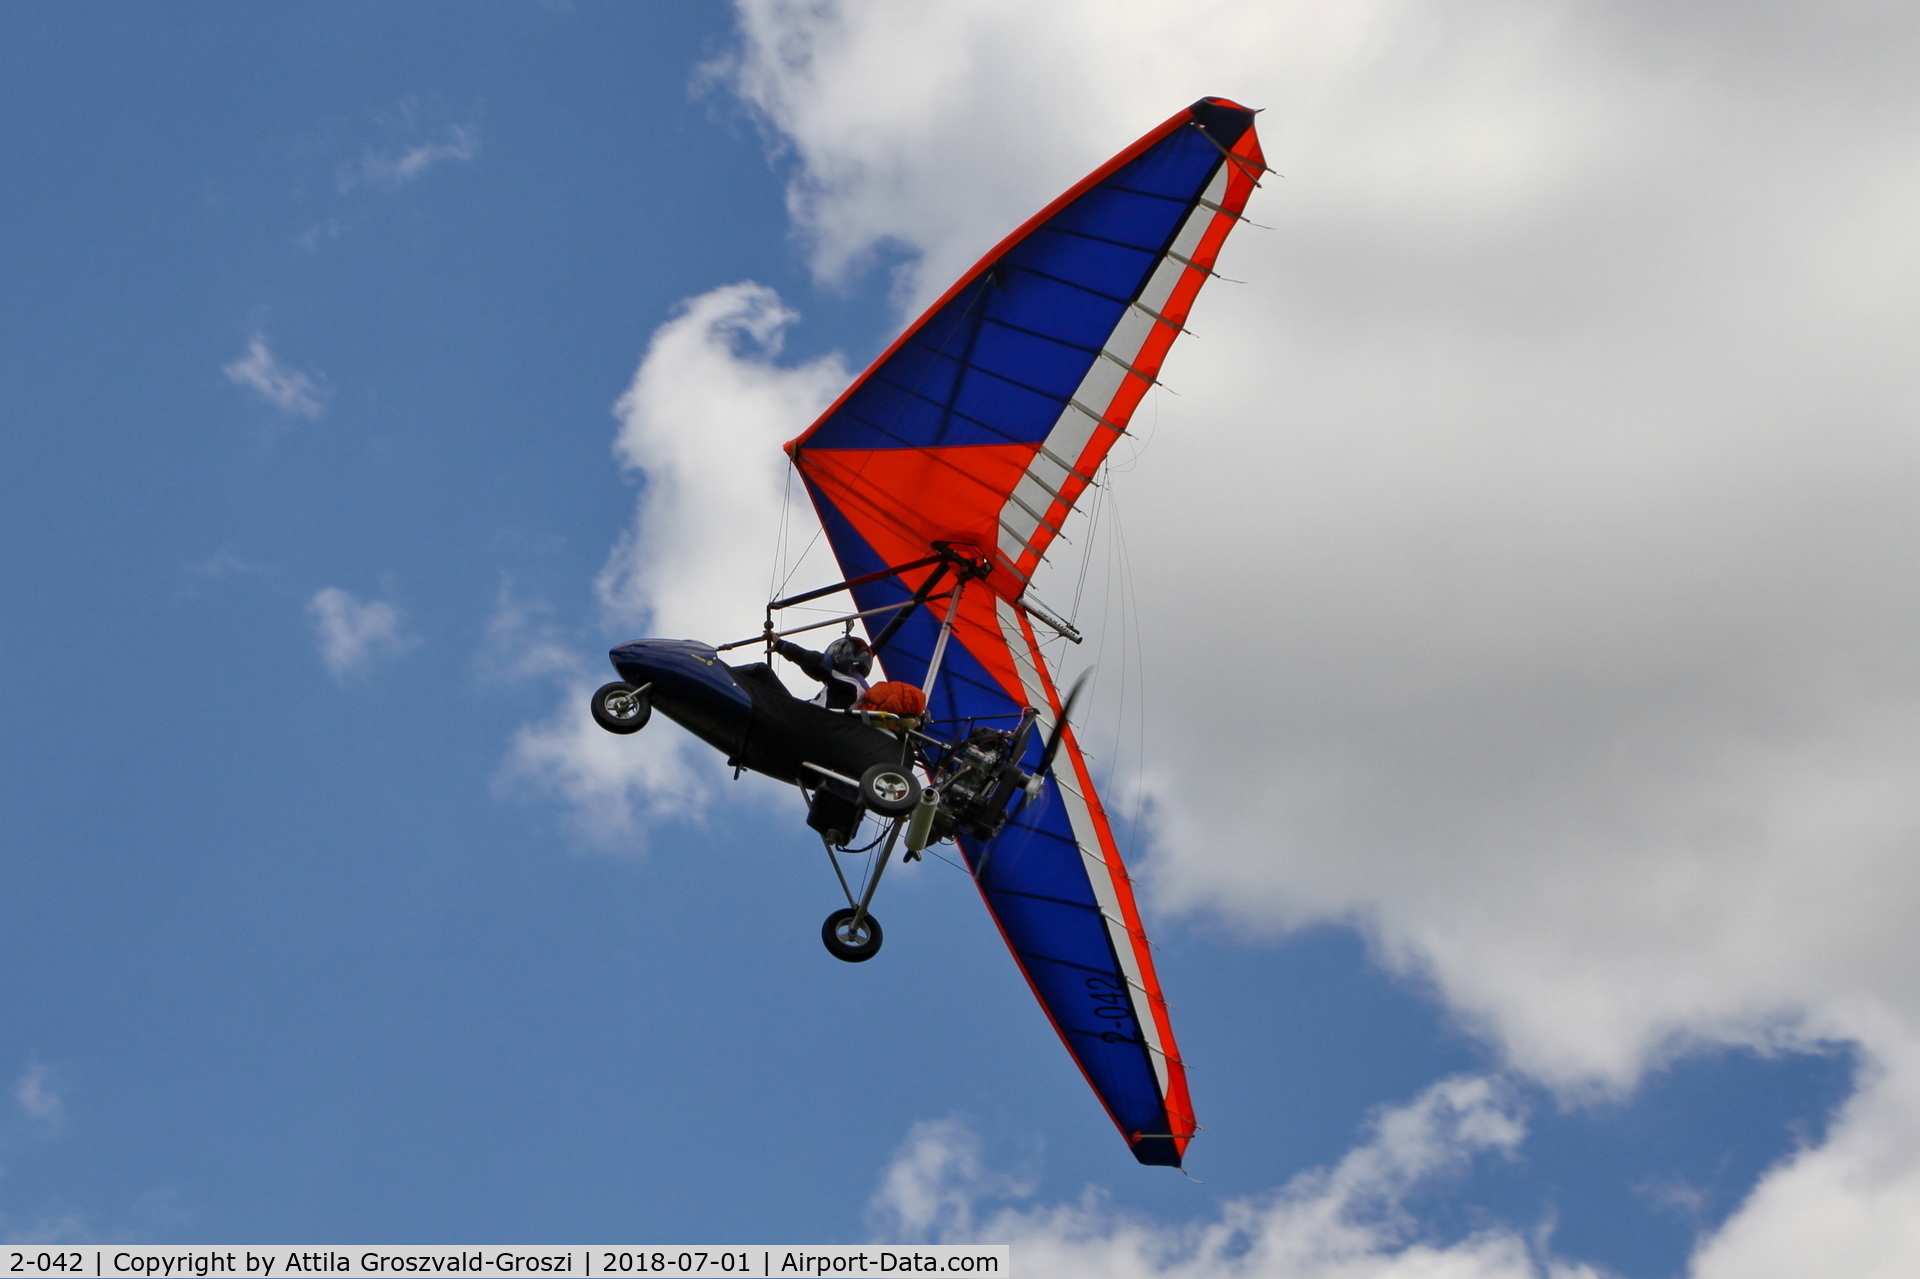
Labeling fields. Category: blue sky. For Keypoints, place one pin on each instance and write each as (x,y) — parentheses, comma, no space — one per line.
(1539,907)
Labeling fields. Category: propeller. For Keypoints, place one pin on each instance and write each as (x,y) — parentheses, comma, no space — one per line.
(1048,752)
(1010,778)
(1060,726)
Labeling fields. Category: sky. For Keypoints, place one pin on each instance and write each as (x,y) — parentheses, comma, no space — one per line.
(1505,629)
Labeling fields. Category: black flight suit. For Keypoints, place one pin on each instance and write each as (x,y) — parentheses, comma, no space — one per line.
(843,688)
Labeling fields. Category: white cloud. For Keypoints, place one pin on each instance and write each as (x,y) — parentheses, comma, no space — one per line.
(353,635)
(1344,1222)
(289,390)
(702,422)
(1849,1207)
(38,1096)
(938,1186)
(416,147)
(226,563)
(1569,644)
(602,779)
(223,567)
(523,642)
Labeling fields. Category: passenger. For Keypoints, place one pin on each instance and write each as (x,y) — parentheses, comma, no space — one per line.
(842,669)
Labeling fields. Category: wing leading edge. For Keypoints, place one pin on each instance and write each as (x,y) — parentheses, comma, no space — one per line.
(979,429)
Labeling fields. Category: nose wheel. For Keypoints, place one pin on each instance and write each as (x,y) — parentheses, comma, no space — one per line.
(855,942)
(621,708)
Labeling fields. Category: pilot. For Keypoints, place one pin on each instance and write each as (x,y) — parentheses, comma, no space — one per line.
(842,669)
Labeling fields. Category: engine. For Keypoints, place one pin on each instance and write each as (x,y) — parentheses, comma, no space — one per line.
(970,779)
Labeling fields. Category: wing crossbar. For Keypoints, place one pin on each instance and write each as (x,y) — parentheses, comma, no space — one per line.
(878,575)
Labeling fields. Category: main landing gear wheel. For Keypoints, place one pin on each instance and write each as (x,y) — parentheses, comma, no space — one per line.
(621,708)
(844,941)
(890,789)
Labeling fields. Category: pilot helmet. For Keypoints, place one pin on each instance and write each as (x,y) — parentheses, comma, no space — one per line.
(850,653)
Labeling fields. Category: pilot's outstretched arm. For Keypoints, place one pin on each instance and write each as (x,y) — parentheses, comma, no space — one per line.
(805,658)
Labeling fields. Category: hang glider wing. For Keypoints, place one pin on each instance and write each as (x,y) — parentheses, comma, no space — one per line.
(975,433)
(986,419)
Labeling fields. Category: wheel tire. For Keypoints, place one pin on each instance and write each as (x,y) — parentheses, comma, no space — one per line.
(621,708)
(843,945)
(890,789)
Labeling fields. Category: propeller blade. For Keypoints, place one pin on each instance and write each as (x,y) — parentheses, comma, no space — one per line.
(1060,726)
(1005,789)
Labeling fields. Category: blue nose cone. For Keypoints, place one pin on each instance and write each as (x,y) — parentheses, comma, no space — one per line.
(679,670)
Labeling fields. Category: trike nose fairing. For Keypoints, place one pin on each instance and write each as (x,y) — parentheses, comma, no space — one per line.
(748,713)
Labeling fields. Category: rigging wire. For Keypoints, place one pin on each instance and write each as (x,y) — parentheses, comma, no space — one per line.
(792,570)
(801,562)
(1126,639)
(1093,535)
(774,581)
(1138,679)
(948,860)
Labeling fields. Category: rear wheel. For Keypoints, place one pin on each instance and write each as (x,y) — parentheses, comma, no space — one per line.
(844,941)
(890,789)
(621,708)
